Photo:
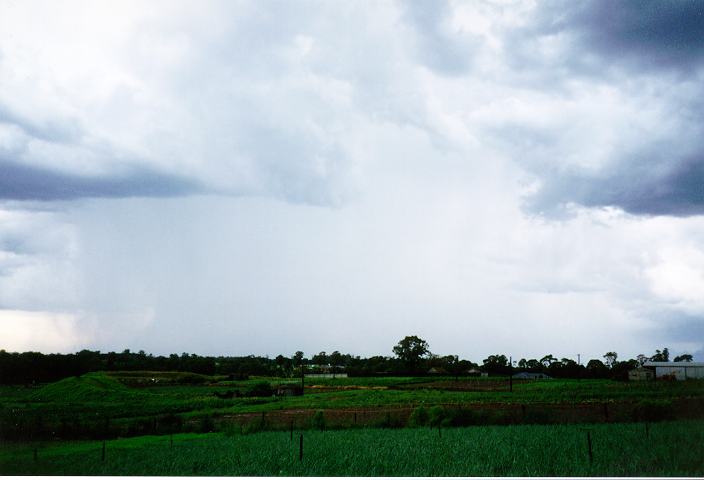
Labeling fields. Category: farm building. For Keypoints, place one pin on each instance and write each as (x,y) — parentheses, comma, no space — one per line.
(641,374)
(530,376)
(678,370)
(326,375)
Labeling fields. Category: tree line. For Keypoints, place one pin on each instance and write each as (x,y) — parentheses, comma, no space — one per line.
(412,356)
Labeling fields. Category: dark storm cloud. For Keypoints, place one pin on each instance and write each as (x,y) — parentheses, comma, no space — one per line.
(676,327)
(641,41)
(24,182)
(640,190)
(650,33)
(595,35)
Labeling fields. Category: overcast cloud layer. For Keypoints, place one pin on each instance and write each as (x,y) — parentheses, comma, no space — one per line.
(262,177)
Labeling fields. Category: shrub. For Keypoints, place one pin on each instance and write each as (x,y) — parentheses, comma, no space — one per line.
(232,429)
(206,424)
(537,416)
(171,423)
(191,379)
(318,420)
(255,426)
(460,417)
(436,415)
(388,421)
(259,389)
(419,417)
(652,410)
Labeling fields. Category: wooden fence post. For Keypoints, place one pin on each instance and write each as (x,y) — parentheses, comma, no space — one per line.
(300,449)
(589,445)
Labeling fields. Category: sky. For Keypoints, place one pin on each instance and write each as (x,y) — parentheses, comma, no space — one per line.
(235,178)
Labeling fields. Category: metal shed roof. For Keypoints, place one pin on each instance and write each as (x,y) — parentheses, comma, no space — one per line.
(673,364)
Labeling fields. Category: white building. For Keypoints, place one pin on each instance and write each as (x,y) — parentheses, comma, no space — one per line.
(678,370)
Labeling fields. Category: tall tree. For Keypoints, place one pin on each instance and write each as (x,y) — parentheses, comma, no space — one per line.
(597,369)
(548,360)
(496,364)
(411,350)
(336,358)
(320,359)
(610,358)
(298,358)
(661,356)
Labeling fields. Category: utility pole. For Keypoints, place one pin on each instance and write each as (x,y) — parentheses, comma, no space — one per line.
(579,364)
(510,374)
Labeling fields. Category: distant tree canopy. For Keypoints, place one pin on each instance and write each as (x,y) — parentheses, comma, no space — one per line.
(298,358)
(412,355)
(610,358)
(411,350)
(661,356)
(496,364)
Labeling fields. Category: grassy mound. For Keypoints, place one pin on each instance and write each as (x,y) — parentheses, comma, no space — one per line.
(88,387)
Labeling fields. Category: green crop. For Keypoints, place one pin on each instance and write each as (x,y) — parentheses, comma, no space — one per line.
(635,449)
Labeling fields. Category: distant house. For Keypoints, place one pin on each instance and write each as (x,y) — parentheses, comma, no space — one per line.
(677,370)
(530,376)
(436,371)
(473,372)
(641,374)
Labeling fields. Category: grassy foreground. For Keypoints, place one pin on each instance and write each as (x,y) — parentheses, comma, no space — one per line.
(657,449)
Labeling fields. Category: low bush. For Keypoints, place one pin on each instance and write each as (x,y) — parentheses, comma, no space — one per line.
(653,410)
(259,389)
(318,420)
(537,416)
(256,425)
(191,379)
(419,417)
(206,424)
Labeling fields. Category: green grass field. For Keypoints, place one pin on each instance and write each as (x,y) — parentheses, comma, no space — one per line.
(99,405)
(659,449)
